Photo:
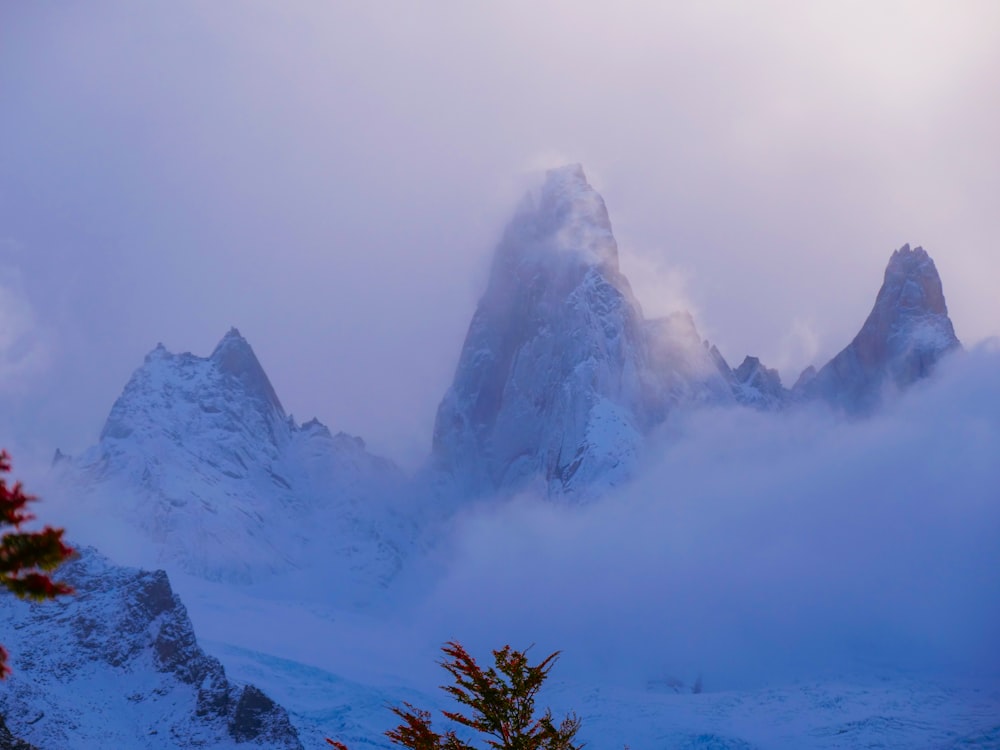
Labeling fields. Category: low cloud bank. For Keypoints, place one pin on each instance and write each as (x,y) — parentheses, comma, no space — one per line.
(758,548)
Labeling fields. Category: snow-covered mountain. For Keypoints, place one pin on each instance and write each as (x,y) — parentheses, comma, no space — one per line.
(559,385)
(201,459)
(117,665)
(560,376)
(907,332)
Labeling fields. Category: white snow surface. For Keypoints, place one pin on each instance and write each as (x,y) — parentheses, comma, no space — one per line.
(117,665)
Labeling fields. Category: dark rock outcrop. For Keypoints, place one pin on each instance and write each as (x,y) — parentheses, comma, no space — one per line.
(117,664)
(907,332)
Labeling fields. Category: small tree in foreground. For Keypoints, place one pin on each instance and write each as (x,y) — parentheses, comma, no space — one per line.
(26,557)
(501,703)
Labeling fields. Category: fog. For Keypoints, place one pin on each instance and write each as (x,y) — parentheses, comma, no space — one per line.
(331,178)
(756,549)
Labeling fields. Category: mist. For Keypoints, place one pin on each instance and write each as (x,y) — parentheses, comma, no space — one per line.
(756,548)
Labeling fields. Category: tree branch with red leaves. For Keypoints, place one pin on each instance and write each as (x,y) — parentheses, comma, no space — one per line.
(27,557)
(501,703)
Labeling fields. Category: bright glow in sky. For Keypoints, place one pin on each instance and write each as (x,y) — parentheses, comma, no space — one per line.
(331,178)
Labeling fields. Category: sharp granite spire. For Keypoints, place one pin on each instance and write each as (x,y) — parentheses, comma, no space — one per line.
(560,376)
(235,357)
(907,332)
(548,380)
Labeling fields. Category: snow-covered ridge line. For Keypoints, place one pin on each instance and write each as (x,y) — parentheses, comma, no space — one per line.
(561,378)
(117,665)
(199,456)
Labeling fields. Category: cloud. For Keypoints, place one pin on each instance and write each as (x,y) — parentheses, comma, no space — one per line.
(796,350)
(24,343)
(757,548)
(661,288)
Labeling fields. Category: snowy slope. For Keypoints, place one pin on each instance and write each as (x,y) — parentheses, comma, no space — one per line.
(200,458)
(117,665)
(889,710)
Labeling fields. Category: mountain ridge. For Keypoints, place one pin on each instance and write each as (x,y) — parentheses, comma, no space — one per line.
(117,664)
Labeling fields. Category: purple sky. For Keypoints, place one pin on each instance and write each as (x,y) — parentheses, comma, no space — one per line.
(331,178)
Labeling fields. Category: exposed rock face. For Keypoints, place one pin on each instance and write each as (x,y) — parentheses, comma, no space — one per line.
(117,665)
(759,386)
(906,334)
(548,382)
(560,376)
(199,456)
(9,741)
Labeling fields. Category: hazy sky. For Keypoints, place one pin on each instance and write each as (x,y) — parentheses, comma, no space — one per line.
(332,177)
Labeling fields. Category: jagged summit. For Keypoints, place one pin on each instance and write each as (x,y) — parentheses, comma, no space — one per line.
(235,357)
(553,352)
(118,665)
(912,284)
(754,384)
(202,458)
(904,336)
(560,376)
(564,215)
(171,383)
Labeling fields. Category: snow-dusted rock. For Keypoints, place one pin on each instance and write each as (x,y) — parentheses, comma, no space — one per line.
(201,459)
(561,377)
(549,381)
(9,742)
(757,385)
(906,334)
(117,664)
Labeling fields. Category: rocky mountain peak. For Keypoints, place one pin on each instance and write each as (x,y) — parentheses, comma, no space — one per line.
(906,333)
(198,456)
(234,356)
(912,284)
(172,390)
(553,352)
(118,665)
(563,221)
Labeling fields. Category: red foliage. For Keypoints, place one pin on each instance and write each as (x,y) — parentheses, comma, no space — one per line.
(501,700)
(26,557)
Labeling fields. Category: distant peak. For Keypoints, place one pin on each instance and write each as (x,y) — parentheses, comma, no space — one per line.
(234,356)
(233,336)
(567,185)
(233,345)
(564,216)
(907,256)
(568,174)
(906,333)
(912,282)
(159,352)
